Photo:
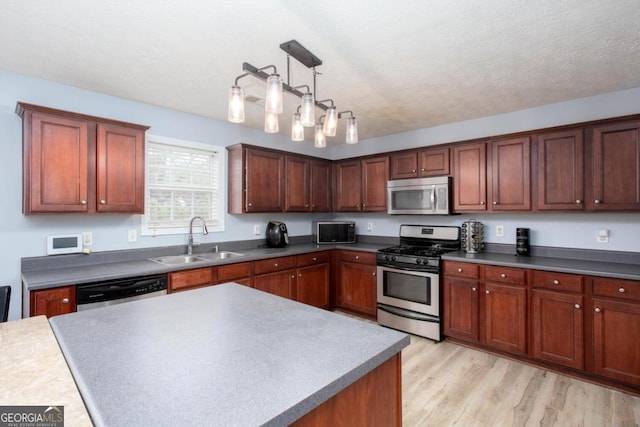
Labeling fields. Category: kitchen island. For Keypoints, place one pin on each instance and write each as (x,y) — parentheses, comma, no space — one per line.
(231,355)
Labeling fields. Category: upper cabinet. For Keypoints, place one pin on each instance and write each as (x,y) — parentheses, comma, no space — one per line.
(470,177)
(616,167)
(308,185)
(510,174)
(74,163)
(420,163)
(361,185)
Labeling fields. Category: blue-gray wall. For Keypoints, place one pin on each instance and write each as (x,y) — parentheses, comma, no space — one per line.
(24,236)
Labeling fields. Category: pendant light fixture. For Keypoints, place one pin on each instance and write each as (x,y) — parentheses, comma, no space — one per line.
(274,105)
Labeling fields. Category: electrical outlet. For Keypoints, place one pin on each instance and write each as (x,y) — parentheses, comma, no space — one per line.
(256,229)
(602,236)
(87,238)
(499,230)
(132,236)
(369,226)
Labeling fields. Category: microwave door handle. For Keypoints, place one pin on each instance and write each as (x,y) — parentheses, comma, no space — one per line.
(433,198)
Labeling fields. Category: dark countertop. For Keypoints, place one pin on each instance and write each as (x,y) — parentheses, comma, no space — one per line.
(563,265)
(221,355)
(53,277)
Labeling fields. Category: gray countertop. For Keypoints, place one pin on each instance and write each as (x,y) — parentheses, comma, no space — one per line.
(563,265)
(92,272)
(222,355)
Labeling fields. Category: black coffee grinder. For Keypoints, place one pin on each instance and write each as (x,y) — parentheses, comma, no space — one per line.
(522,242)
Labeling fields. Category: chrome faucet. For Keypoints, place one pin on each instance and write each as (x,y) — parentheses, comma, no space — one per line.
(204,231)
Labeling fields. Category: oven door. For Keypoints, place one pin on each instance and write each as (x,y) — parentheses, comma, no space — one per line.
(417,291)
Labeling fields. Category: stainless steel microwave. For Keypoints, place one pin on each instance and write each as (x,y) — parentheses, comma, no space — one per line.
(420,196)
(325,232)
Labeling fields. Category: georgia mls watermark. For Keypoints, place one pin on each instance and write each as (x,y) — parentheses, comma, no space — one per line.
(31,416)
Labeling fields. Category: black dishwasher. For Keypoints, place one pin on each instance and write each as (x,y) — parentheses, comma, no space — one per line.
(111,292)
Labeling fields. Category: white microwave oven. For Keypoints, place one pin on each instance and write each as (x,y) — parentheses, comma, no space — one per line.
(326,232)
(420,196)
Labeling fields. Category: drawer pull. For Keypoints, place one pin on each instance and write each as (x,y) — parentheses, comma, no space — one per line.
(275,264)
(555,282)
(597,310)
(65,300)
(357,257)
(293,277)
(622,290)
(503,275)
(577,306)
(315,259)
(459,270)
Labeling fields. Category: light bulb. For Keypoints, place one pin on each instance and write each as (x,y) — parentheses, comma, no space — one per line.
(271,123)
(320,141)
(308,110)
(273,100)
(297,130)
(236,104)
(352,131)
(331,122)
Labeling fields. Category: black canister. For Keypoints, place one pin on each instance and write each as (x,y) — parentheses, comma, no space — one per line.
(522,242)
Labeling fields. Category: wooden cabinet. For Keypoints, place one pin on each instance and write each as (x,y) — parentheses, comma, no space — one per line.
(616,167)
(470,177)
(308,185)
(560,171)
(510,174)
(276,276)
(357,282)
(421,163)
(191,279)
(255,180)
(240,272)
(616,328)
(361,185)
(52,302)
(312,281)
(461,300)
(74,163)
(557,316)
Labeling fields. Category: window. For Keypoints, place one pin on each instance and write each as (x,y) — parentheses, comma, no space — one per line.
(183,180)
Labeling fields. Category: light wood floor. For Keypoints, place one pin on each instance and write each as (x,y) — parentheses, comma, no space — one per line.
(444,384)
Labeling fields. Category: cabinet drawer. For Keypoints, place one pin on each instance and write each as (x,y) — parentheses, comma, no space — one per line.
(313,258)
(504,275)
(557,281)
(274,264)
(616,288)
(227,273)
(461,269)
(192,278)
(358,257)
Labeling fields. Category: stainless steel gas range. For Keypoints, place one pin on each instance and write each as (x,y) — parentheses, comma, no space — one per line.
(408,284)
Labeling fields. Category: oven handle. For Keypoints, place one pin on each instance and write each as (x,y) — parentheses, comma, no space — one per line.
(419,271)
(433,198)
(407,313)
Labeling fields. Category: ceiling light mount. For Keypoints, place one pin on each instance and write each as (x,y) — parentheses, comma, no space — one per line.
(305,113)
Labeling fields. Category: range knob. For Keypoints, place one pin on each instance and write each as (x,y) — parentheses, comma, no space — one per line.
(418,261)
(393,258)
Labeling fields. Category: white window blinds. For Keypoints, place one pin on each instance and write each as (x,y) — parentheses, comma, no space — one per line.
(182,182)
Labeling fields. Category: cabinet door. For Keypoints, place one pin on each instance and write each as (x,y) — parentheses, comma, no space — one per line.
(375,174)
(312,285)
(560,171)
(321,194)
(505,317)
(616,167)
(433,162)
(348,197)
(297,184)
(264,181)
(358,287)
(616,328)
(470,177)
(404,165)
(52,302)
(119,169)
(558,328)
(511,176)
(461,308)
(280,283)
(56,170)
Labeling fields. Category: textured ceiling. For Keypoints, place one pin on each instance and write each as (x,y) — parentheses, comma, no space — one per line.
(399,65)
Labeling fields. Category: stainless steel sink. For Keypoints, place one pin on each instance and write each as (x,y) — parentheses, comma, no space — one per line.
(188,259)
(219,255)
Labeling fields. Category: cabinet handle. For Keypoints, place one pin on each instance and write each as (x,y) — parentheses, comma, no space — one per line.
(495,203)
(83,202)
(374,273)
(482,203)
(65,300)
(577,306)
(103,202)
(579,201)
(597,201)
(357,257)
(249,203)
(364,206)
(293,276)
(486,292)
(555,282)
(459,270)
(622,290)
(306,205)
(503,275)
(315,259)
(598,310)
(414,171)
(299,275)
(421,170)
(275,264)
(474,289)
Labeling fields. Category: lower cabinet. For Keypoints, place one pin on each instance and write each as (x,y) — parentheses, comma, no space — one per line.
(52,302)
(461,303)
(191,279)
(312,281)
(276,276)
(357,282)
